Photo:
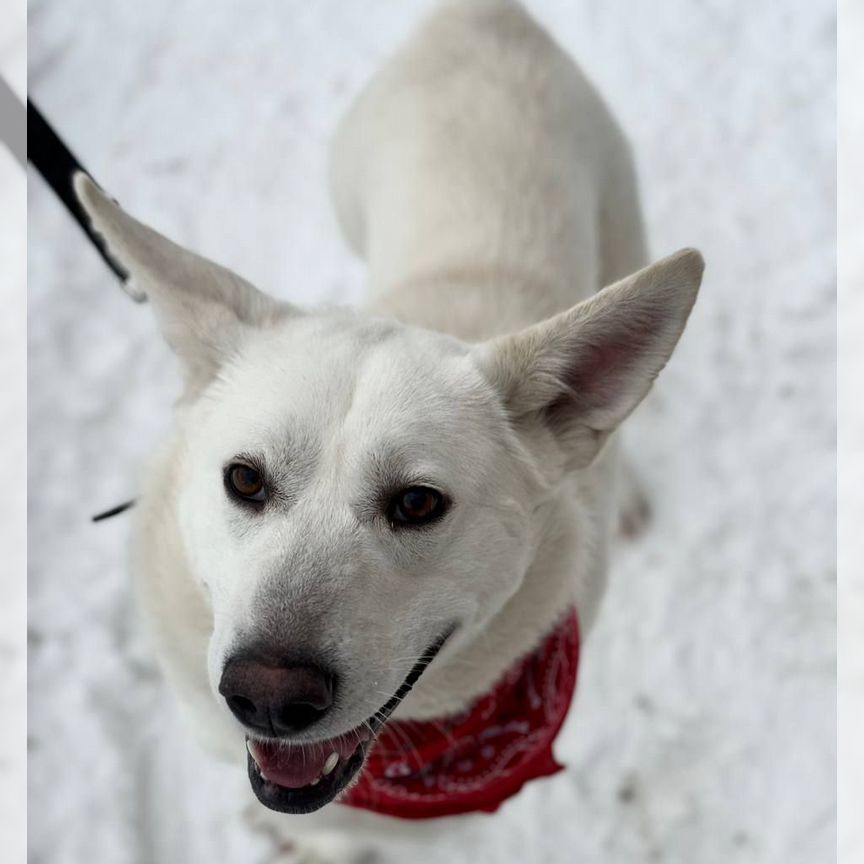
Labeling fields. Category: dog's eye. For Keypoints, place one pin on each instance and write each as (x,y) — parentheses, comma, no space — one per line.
(417,505)
(246,482)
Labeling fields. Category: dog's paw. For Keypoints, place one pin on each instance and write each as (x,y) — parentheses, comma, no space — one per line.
(634,506)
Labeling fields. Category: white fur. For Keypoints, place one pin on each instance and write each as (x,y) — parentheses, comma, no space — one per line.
(489,189)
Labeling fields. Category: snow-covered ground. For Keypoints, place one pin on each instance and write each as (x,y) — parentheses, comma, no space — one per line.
(704,730)
(850,439)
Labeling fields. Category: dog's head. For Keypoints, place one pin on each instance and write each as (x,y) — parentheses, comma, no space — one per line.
(355,495)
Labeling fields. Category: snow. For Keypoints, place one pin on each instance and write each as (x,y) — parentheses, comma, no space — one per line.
(704,729)
(850,672)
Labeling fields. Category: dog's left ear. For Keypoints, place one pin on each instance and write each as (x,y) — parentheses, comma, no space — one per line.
(583,371)
(204,310)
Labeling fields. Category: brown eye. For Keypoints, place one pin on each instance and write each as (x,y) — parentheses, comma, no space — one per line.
(245,482)
(417,505)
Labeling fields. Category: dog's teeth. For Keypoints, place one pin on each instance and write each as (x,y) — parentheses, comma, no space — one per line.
(330,764)
(249,751)
(315,782)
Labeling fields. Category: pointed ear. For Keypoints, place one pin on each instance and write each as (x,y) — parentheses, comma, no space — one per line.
(203,310)
(583,371)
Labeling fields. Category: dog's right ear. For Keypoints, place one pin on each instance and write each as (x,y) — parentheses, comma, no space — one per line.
(204,310)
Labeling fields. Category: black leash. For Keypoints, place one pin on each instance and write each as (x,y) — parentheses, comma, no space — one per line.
(55,162)
(114,511)
(57,165)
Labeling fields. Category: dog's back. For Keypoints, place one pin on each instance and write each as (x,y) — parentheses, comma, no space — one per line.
(481,156)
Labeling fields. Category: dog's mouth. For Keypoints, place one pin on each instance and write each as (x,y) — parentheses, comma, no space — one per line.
(294,777)
(301,778)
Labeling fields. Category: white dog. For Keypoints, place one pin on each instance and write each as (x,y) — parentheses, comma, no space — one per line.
(422,492)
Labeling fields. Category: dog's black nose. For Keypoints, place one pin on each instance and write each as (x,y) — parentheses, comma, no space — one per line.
(276,700)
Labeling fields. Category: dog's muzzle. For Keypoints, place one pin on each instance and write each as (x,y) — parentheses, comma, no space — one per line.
(294,777)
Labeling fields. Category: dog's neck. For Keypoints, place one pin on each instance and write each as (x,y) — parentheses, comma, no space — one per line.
(470,303)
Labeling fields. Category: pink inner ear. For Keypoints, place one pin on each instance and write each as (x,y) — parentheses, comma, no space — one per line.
(600,375)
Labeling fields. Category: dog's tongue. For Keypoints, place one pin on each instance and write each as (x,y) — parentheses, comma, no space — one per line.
(294,766)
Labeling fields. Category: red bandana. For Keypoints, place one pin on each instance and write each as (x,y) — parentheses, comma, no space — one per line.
(476,760)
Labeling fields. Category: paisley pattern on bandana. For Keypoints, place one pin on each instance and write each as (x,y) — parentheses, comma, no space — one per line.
(476,760)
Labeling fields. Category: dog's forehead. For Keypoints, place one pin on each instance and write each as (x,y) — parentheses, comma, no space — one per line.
(365,376)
